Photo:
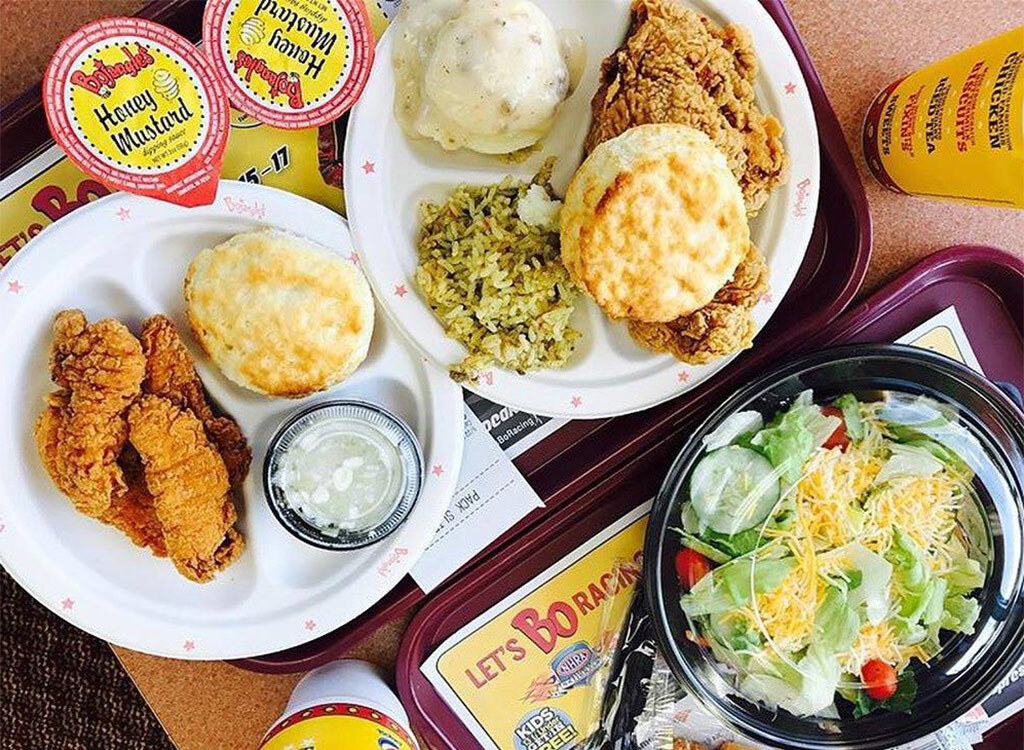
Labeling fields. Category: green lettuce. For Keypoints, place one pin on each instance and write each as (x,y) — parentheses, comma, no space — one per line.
(851,415)
(729,545)
(930,603)
(908,461)
(836,623)
(935,427)
(732,428)
(790,438)
(805,690)
(735,633)
(708,550)
(959,614)
(729,586)
(872,573)
(955,464)
(965,574)
(921,594)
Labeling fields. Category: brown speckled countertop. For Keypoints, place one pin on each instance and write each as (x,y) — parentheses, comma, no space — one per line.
(857,47)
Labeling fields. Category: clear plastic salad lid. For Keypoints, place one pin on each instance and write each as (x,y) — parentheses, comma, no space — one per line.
(845,548)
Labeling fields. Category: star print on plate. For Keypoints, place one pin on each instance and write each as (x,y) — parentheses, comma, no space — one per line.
(310,625)
(400,290)
(189,645)
(124,214)
(368,167)
(576,402)
(14,287)
(438,470)
(790,88)
(683,377)
(67,604)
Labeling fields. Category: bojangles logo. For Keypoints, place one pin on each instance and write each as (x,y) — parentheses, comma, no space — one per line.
(279,83)
(104,77)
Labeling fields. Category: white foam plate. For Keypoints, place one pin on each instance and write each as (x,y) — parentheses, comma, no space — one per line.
(125,256)
(388,175)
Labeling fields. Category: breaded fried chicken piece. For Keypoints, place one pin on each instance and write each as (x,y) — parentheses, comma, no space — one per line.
(170,373)
(189,483)
(82,430)
(676,66)
(721,327)
(133,512)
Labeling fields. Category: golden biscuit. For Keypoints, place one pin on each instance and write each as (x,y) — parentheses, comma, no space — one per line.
(277,314)
(654,223)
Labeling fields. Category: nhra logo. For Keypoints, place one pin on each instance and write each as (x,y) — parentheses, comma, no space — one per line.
(575,664)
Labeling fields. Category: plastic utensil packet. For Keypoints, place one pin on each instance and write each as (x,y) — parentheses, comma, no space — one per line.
(644,707)
(639,690)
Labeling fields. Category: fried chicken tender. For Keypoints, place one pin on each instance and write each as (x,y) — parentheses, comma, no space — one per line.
(188,481)
(80,433)
(721,327)
(133,512)
(170,373)
(676,66)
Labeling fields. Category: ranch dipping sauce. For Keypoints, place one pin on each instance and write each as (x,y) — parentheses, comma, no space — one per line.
(488,75)
(342,474)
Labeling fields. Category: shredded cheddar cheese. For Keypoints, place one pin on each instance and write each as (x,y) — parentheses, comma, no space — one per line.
(836,503)
(829,493)
(785,615)
(923,507)
(879,642)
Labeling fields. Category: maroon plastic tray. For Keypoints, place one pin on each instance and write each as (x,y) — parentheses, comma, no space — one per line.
(583,453)
(986,286)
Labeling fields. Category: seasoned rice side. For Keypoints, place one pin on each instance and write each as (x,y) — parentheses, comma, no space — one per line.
(495,282)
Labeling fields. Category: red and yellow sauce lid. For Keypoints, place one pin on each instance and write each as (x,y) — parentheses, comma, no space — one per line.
(290,63)
(138,107)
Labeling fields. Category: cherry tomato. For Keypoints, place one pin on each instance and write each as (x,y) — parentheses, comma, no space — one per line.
(879,679)
(838,438)
(691,566)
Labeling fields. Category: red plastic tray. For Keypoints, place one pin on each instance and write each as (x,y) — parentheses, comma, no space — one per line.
(986,286)
(583,453)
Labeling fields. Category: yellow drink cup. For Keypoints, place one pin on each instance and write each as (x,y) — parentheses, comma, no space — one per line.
(954,130)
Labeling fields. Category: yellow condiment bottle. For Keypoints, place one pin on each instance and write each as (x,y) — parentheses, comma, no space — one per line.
(954,129)
(343,705)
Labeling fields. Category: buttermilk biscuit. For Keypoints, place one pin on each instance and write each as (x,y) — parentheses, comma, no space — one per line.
(277,314)
(654,223)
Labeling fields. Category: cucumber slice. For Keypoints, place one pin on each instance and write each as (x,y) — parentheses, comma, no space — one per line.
(733,489)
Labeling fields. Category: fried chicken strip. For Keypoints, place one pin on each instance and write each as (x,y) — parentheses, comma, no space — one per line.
(721,327)
(80,433)
(189,483)
(677,67)
(133,512)
(171,373)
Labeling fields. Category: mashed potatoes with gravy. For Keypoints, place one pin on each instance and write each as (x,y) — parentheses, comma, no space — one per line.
(488,75)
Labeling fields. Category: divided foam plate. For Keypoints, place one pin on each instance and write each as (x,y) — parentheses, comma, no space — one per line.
(280,592)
